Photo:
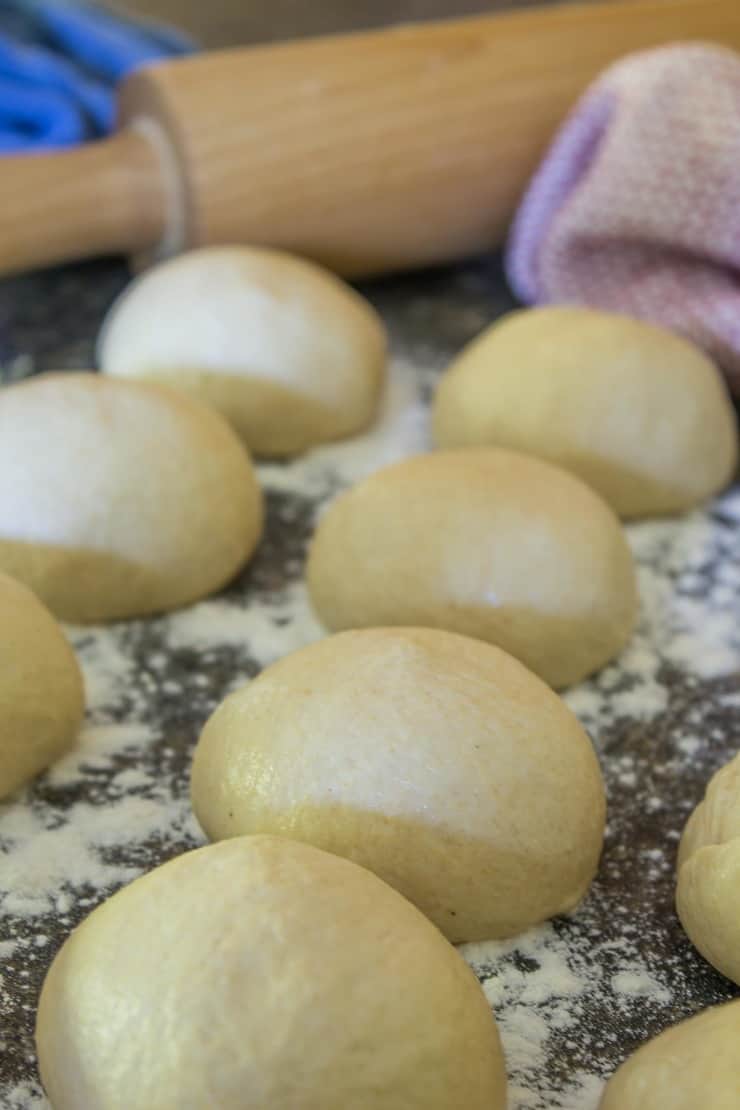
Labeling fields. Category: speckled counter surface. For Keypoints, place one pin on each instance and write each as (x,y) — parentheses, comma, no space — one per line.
(573,997)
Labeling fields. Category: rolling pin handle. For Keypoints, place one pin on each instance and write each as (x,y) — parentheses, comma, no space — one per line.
(107,197)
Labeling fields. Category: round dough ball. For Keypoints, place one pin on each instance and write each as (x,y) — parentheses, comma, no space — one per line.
(640,414)
(262,973)
(119,499)
(436,761)
(708,889)
(287,352)
(489,543)
(693,1066)
(41,692)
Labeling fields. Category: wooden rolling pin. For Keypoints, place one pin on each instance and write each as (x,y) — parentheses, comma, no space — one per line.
(368,152)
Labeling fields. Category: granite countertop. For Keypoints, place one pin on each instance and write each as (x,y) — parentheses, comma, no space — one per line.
(574,997)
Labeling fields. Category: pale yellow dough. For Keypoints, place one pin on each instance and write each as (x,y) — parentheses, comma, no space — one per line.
(708,888)
(488,543)
(41,690)
(264,974)
(119,499)
(438,762)
(693,1066)
(639,413)
(287,352)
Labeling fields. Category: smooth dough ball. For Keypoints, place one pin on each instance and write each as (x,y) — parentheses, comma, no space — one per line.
(266,974)
(640,414)
(120,499)
(41,691)
(708,889)
(287,352)
(693,1066)
(489,543)
(436,761)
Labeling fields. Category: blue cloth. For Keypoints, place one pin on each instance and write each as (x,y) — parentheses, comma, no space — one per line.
(59,65)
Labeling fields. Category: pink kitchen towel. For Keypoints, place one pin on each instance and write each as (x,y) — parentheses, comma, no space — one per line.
(636,206)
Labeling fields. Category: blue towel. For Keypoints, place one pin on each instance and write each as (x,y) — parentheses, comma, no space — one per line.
(59,65)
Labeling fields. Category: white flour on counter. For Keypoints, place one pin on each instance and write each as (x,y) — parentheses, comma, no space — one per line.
(561,993)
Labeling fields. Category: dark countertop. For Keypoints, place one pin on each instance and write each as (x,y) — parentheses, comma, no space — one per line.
(575,997)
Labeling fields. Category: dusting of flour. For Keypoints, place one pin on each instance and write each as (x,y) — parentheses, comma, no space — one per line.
(572,996)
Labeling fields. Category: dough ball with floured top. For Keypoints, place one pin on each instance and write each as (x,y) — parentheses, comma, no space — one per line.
(266,974)
(41,691)
(119,499)
(288,353)
(437,761)
(692,1066)
(488,543)
(708,888)
(640,414)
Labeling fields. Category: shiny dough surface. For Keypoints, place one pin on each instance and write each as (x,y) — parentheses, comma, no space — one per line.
(488,543)
(692,1066)
(264,973)
(41,688)
(708,887)
(288,353)
(119,499)
(437,761)
(640,414)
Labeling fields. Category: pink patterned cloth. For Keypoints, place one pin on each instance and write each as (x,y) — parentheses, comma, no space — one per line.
(636,207)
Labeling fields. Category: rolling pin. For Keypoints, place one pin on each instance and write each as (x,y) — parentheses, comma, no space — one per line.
(368,152)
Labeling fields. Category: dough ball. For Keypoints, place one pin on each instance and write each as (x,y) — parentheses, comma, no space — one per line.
(489,543)
(287,352)
(41,692)
(693,1066)
(119,499)
(262,973)
(708,889)
(436,761)
(640,414)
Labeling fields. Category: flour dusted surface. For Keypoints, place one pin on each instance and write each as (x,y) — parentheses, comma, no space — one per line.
(572,997)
